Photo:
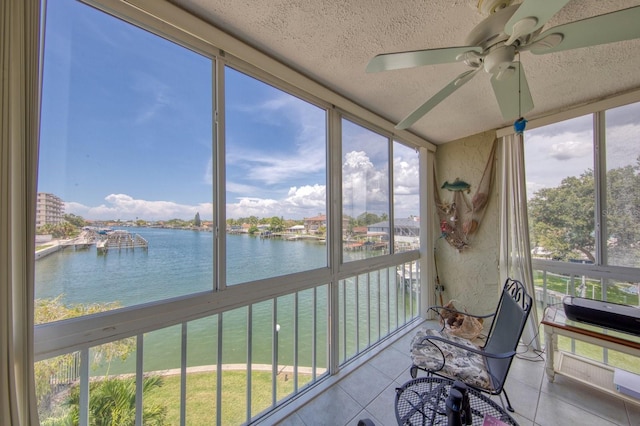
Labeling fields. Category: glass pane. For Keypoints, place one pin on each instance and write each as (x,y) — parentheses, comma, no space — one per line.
(561,190)
(286,336)
(55,380)
(365,192)
(201,380)
(622,214)
(406,198)
(126,127)
(275,181)
(234,373)
(262,332)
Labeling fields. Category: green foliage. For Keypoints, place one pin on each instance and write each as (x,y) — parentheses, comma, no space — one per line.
(50,310)
(276,224)
(77,221)
(177,223)
(196,221)
(62,230)
(562,219)
(112,402)
(253,230)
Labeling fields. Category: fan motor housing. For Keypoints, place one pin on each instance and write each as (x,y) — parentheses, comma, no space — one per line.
(499,59)
(490,31)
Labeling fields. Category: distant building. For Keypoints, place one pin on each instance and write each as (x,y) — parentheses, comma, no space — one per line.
(402,228)
(49,209)
(312,225)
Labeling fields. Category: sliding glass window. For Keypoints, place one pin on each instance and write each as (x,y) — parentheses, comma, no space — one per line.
(622,211)
(365,192)
(406,198)
(561,190)
(276,176)
(125,208)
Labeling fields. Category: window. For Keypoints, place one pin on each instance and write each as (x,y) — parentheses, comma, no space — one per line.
(584,205)
(276,181)
(126,146)
(561,190)
(406,198)
(622,211)
(128,194)
(365,192)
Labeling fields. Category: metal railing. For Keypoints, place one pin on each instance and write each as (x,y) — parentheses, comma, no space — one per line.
(554,280)
(245,361)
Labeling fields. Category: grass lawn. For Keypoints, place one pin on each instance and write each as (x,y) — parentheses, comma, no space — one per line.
(593,288)
(201,407)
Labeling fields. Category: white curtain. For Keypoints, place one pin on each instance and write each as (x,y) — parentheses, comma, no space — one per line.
(515,251)
(19,104)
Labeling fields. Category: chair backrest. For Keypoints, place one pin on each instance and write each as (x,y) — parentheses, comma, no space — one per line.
(506,329)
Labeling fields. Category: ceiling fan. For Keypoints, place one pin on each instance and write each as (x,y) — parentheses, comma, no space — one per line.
(494,43)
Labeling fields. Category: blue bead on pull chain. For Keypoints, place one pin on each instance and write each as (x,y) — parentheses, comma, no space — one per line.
(519,125)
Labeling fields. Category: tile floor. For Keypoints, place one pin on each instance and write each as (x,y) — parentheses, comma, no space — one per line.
(368,391)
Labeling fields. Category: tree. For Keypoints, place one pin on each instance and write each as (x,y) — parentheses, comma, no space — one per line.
(276,224)
(50,310)
(563,217)
(61,230)
(113,403)
(77,221)
(197,223)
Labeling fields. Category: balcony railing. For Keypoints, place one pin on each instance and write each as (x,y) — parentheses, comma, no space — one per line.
(554,280)
(231,366)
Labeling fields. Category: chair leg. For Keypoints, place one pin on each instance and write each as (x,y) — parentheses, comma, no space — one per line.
(509,407)
(413,371)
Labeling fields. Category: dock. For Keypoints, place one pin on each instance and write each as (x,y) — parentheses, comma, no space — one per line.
(121,240)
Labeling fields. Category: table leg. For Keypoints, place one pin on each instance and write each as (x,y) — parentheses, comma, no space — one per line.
(551,340)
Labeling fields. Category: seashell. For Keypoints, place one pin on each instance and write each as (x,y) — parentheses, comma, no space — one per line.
(479,200)
(470,226)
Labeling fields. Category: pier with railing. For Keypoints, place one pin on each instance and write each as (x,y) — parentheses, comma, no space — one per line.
(121,240)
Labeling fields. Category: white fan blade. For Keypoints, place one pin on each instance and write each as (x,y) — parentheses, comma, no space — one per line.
(512,92)
(608,28)
(531,15)
(436,99)
(416,58)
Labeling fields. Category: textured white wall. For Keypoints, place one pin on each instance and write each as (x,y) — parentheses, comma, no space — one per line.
(470,276)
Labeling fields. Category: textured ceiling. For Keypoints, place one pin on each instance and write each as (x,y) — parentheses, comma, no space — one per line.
(332,41)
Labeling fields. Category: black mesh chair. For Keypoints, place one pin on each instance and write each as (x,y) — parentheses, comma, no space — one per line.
(484,368)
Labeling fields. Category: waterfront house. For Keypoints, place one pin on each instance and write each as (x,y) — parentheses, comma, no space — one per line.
(318,52)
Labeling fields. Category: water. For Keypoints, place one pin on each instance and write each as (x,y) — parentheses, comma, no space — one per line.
(180,262)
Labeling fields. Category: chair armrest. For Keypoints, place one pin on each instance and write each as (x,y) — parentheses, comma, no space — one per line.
(437,310)
(503,355)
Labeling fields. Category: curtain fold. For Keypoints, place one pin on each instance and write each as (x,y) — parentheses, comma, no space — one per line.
(515,250)
(19,112)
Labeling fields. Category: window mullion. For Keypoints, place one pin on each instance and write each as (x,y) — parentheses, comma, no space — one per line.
(600,178)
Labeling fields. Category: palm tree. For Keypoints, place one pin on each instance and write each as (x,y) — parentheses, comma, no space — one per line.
(112,402)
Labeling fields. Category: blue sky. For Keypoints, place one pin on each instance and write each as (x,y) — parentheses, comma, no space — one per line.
(127,132)
(566,149)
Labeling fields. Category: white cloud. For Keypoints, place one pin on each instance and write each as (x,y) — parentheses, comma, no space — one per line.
(308,196)
(569,149)
(253,207)
(305,154)
(364,187)
(125,207)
